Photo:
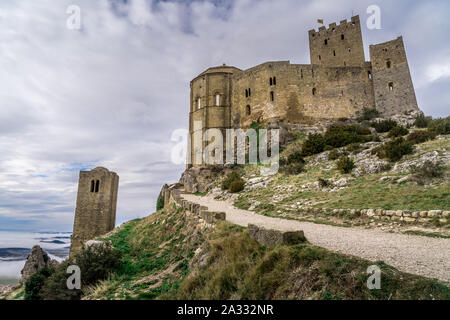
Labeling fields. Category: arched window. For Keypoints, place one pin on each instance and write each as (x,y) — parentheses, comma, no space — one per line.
(342,37)
(272,96)
(217,100)
(92,186)
(248,110)
(326,42)
(391,86)
(199,103)
(97,186)
(314,91)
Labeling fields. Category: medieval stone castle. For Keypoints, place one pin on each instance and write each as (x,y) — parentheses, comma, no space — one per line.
(338,83)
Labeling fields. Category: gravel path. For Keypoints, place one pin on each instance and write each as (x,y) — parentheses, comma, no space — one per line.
(425,256)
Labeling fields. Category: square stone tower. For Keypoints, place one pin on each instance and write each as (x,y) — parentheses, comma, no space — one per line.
(95,213)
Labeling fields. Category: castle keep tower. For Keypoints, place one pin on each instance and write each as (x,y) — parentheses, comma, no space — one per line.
(338,46)
(95,213)
(393,86)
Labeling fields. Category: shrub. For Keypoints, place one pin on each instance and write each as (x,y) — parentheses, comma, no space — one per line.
(339,136)
(398,131)
(96,263)
(35,283)
(384,126)
(418,137)
(333,155)
(160,202)
(368,114)
(429,170)
(228,180)
(345,165)
(313,145)
(293,168)
(440,126)
(237,186)
(323,183)
(394,150)
(295,157)
(422,121)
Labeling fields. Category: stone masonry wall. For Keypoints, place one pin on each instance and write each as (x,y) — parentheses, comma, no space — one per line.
(95,212)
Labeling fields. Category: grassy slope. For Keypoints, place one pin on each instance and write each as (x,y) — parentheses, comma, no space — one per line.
(363,192)
(162,254)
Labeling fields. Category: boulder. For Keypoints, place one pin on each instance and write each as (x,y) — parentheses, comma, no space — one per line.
(273,238)
(36,260)
(212,217)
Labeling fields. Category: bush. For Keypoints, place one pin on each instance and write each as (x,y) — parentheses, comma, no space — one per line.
(440,126)
(237,186)
(313,145)
(345,165)
(323,183)
(398,131)
(333,155)
(429,170)
(418,137)
(422,121)
(394,150)
(35,283)
(160,202)
(337,136)
(293,168)
(368,114)
(228,180)
(384,126)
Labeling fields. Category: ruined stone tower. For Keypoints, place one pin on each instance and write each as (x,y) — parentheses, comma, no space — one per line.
(95,213)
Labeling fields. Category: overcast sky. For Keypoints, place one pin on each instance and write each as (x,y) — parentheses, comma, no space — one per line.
(111,93)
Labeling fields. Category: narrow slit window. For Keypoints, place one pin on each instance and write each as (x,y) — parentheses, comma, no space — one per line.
(342,37)
(326,42)
(270,81)
(388,64)
(249,92)
(97,186)
(272,96)
(274,81)
(248,110)
(92,186)
(217,100)
(301,73)
(199,103)
(370,75)
(320,58)
(391,86)
(334,53)
(314,91)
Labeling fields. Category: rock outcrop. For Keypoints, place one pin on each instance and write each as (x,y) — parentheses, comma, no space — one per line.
(200,179)
(36,260)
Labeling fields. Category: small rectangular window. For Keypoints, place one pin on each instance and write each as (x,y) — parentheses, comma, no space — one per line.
(199,103)
(217,100)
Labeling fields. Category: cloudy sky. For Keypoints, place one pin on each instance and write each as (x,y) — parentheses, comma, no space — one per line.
(111,93)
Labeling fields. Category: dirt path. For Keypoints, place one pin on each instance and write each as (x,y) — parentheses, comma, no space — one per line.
(425,256)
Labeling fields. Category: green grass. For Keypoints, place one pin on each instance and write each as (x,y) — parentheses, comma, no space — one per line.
(426,234)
